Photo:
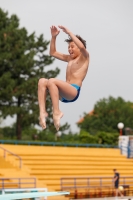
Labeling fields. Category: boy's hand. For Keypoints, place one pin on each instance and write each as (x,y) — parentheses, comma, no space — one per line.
(54,31)
(64,29)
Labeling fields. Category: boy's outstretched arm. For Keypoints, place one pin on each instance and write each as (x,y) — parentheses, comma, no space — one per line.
(53,52)
(76,41)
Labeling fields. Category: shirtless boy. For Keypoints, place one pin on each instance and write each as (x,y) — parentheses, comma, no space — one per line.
(65,91)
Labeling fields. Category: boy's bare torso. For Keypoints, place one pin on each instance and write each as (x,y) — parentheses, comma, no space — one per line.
(78,62)
(77,70)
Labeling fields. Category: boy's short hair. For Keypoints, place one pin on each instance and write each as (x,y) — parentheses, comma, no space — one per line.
(78,36)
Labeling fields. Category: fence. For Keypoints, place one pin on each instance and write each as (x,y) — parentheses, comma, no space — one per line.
(93,182)
(126,150)
(7,151)
(95,186)
(17,183)
(18,142)
(126,145)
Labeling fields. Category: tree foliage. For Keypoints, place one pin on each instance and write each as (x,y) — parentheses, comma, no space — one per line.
(107,114)
(22,62)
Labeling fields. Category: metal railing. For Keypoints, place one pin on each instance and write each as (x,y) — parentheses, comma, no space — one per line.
(40,143)
(4,155)
(127,151)
(17,182)
(93,182)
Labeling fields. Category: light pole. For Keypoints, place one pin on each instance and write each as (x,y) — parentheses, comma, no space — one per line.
(120,126)
(58,134)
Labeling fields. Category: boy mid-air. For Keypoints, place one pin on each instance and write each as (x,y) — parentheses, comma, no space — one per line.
(69,90)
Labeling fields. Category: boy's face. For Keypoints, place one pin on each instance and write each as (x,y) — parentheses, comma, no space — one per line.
(73,50)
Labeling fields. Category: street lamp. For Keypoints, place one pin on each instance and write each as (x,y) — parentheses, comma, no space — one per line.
(57,135)
(120,126)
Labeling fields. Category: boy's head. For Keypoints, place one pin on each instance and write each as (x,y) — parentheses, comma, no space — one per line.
(80,38)
(73,50)
(114,170)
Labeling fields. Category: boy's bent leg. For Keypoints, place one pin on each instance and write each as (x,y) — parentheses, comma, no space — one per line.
(57,87)
(42,90)
(66,90)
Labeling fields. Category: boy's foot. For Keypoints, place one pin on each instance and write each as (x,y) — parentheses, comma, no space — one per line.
(42,119)
(56,118)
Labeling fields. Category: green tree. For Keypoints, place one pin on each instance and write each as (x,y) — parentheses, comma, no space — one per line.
(87,138)
(107,114)
(7,132)
(107,138)
(22,62)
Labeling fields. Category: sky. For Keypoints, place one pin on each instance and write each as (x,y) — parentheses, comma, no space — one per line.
(106,25)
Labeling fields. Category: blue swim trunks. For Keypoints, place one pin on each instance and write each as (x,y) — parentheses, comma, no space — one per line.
(78,92)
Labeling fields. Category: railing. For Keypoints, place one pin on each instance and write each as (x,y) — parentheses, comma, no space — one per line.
(5,150)
(93,182)
(6,182)
(127,151)
(16,142)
